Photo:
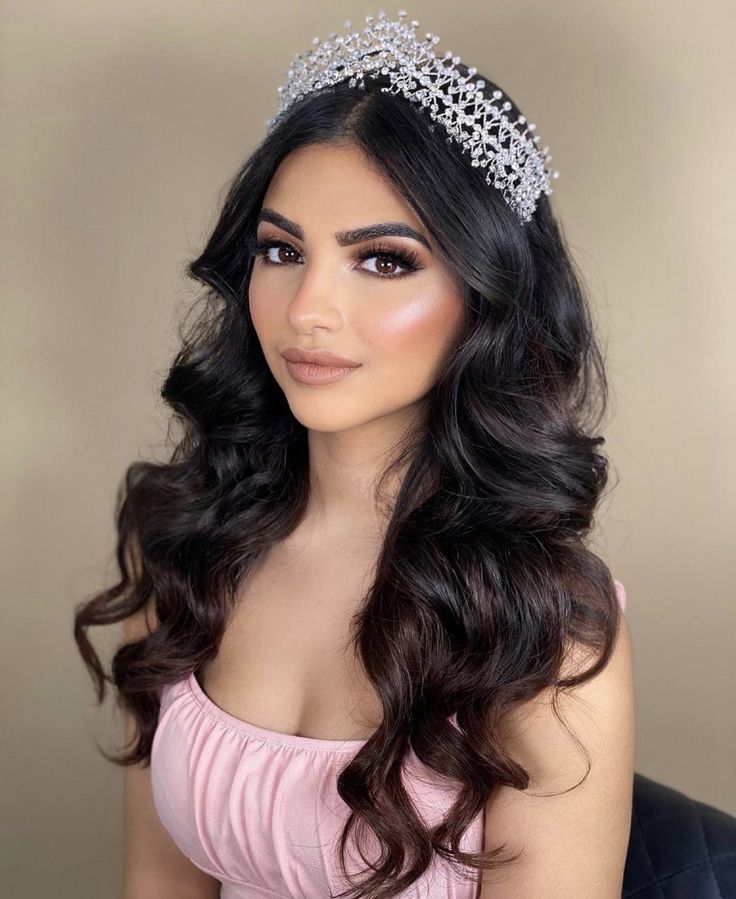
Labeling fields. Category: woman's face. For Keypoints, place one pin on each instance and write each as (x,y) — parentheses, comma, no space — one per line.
(316,289)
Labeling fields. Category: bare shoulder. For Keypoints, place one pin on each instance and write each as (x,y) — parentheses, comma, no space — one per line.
(574,837)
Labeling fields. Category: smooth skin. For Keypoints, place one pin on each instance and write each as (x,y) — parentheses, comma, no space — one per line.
(319,295)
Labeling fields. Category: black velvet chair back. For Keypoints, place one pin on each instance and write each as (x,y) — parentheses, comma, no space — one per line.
(679,848)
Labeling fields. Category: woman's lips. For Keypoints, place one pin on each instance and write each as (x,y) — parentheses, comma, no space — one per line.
(309,373)
(317,357)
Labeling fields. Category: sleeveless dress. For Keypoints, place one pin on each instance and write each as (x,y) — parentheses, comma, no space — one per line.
(259,810)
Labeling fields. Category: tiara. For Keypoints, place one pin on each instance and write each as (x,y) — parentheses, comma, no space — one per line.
(476,122)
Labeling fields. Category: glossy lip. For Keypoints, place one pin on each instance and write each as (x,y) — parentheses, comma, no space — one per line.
(317,357)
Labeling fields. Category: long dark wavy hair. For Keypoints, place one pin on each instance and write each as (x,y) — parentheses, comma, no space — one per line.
(484,581)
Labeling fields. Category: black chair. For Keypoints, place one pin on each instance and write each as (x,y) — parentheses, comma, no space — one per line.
(679,848)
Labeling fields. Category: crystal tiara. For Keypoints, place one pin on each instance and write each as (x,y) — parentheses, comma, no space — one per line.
(457,102)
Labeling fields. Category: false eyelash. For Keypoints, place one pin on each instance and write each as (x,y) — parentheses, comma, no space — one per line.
(407,259)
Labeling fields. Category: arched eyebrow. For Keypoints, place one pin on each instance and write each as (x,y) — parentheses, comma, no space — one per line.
(346,238)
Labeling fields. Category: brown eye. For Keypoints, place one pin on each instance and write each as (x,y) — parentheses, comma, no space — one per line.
(387,260)
(286,251)
(385,265)
(273,252)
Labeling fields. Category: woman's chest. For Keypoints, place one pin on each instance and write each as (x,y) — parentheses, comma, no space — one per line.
(286,662)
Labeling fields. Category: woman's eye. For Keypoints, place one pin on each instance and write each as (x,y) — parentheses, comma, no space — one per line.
(267,249)
(381,262)
(387,261)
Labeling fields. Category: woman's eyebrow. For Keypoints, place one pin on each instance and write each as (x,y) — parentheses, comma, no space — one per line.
(346,238)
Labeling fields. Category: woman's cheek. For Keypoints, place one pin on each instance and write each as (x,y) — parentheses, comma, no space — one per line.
(410,341)
(263,310)
(420,327)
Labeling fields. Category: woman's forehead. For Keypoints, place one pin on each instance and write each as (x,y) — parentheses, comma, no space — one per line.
(337,183)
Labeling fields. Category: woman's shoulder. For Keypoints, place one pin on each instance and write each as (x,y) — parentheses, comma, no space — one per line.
(621,593)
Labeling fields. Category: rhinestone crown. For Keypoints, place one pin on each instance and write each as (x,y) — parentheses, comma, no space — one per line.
(479,124)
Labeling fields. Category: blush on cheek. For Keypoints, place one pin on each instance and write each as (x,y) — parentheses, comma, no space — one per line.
(409,343)
(423,324)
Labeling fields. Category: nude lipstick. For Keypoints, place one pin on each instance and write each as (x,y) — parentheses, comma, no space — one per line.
(317,366)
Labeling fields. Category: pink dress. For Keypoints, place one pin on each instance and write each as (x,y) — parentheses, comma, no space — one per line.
(259,810)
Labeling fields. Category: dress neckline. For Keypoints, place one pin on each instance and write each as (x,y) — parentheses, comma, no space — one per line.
(263,734)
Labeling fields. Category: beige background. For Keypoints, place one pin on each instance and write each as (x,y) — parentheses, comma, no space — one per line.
(121,124)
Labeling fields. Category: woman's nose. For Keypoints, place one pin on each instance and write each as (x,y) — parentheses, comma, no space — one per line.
(316,295)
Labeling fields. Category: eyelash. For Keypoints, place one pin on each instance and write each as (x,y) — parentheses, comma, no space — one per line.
(408,259)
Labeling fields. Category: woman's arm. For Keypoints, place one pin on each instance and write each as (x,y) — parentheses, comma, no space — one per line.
(575,843)
(153,865)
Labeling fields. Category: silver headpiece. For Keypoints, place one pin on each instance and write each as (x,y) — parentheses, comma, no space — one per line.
(476,122)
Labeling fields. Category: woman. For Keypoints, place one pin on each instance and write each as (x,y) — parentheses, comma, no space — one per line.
(368,652)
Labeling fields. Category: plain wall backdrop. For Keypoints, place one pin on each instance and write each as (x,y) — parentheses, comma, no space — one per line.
(121,124)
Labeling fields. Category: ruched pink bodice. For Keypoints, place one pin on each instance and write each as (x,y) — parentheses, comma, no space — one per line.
(259,810)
